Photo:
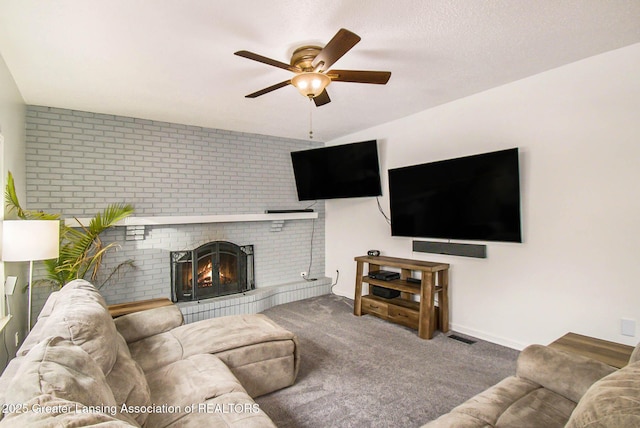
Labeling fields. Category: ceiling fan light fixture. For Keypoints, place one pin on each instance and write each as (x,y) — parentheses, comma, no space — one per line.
(312,68)
(310,84)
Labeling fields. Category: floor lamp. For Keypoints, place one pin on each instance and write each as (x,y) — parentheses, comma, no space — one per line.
(28,241)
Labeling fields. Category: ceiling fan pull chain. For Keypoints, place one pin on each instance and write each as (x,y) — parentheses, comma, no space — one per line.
(310,119)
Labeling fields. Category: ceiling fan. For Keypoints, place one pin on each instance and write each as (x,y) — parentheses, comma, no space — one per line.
(310,65)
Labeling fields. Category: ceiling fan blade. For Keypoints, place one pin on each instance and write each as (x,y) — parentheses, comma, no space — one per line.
(322,99)
(341,43)
(359,76)
(268,61)
(269,89)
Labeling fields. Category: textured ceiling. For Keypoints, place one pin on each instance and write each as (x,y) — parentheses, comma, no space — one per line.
(173,60)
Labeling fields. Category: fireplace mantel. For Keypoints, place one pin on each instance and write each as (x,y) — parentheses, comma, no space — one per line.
(199,219)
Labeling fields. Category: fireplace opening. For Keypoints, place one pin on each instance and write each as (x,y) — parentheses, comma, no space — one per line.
(214,269)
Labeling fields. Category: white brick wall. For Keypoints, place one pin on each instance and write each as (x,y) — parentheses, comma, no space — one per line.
(78,162)
(254,301)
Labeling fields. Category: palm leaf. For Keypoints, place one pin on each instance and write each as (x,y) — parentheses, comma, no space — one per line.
(81,250)
(127,263)
(11,197)
(109,217)
(13,204)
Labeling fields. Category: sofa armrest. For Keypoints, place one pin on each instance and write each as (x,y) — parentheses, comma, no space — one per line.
(138,325)
(567,374)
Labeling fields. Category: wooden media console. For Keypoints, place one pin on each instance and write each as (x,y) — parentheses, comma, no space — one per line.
(423,315)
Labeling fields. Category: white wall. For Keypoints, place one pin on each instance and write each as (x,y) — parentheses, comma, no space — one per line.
(12,128)
(578,130)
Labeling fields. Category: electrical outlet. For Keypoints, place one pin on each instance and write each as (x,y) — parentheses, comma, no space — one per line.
(17,338)
(303,274)
(628,327)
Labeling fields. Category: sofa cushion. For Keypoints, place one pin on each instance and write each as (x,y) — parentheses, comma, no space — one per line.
(57,369)
(138,325)
(207,336)
(264,367)
(234,409)
(564,373)
(613,401)
(635,354)
(541,408)
(187,384)
(156,351)
(79,314)
(128,382)
(48,305)
(514,401)
(60,413)
(7,377)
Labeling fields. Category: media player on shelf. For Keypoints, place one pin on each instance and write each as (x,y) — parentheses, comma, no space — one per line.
(383,292)
(384,275)
(373,253)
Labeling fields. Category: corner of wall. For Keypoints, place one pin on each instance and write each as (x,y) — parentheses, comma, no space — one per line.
(12,158)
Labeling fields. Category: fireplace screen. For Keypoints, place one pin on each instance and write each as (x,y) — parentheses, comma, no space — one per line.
(215,269)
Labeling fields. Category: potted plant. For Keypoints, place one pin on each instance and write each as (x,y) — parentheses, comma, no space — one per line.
(81,249)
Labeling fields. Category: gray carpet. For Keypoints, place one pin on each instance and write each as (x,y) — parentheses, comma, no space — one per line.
(366,372)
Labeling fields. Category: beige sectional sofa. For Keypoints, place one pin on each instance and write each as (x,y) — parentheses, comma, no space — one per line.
(553,388)
(79,367)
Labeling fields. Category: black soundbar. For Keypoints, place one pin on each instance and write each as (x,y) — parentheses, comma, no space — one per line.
(468,250)
(305,210)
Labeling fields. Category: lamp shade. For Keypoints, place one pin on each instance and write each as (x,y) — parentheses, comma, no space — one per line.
(310,84)
(28,240)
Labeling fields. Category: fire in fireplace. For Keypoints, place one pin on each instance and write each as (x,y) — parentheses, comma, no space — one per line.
(214,269)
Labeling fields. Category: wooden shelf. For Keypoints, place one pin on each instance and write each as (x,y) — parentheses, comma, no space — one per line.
(397,284)
(120,309)
(408,304)
(615,354)
(417,265)
(199,219)
(424,315)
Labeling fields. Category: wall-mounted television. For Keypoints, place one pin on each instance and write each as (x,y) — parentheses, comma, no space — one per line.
(343,171)
(469,198)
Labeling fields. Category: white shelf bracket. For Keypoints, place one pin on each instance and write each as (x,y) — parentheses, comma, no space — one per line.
(277,225)
(134,233)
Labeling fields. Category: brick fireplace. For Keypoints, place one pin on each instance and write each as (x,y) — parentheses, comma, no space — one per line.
(167,169)
(215,269)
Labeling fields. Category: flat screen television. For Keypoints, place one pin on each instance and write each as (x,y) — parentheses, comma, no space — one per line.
(343,171)
(468,198)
